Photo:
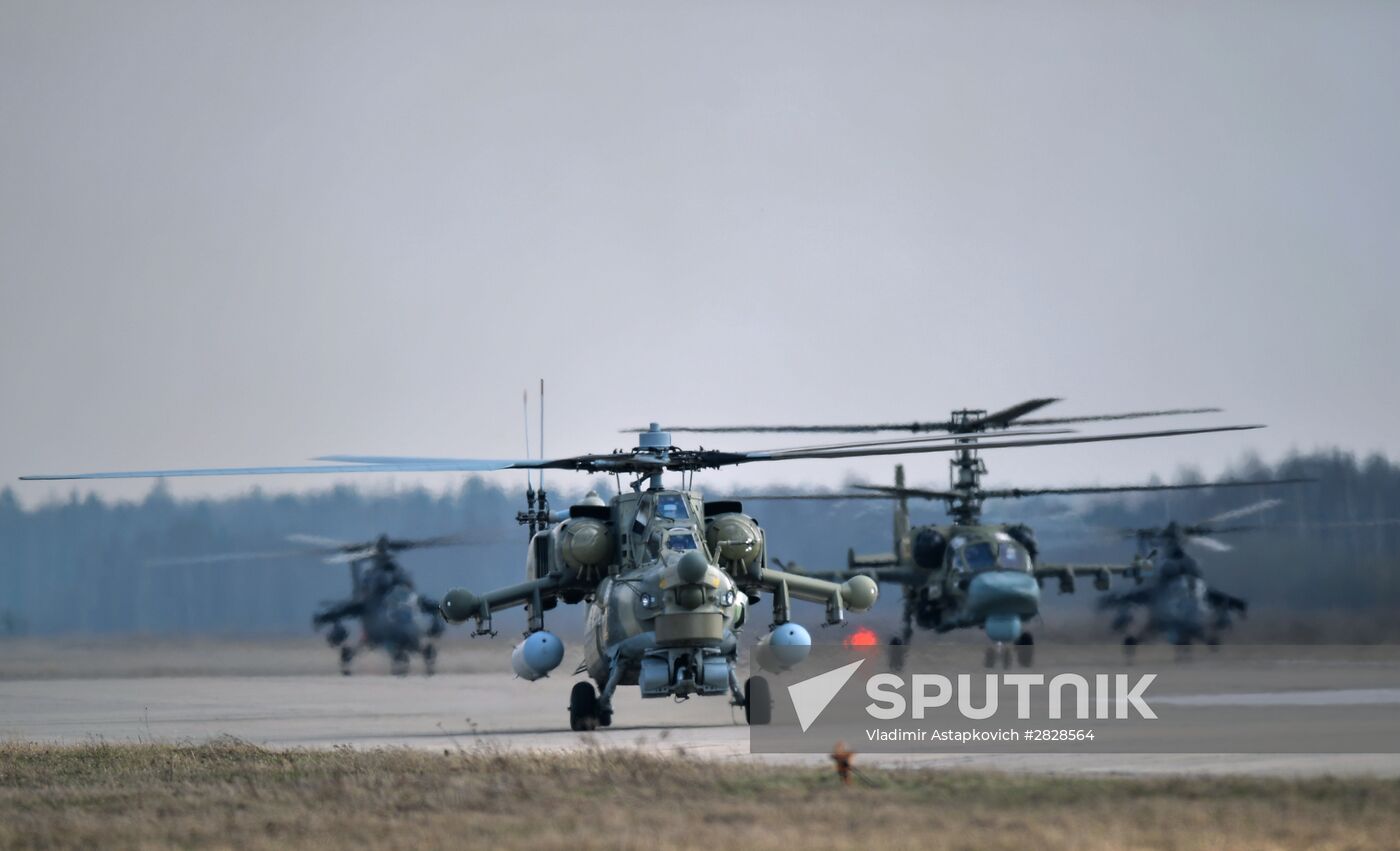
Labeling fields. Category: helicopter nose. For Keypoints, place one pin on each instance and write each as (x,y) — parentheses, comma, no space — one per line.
(1003,592)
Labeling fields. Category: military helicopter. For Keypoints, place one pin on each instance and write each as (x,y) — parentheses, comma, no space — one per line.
(969,574)
(392,614)
(667,576)
(1178,604)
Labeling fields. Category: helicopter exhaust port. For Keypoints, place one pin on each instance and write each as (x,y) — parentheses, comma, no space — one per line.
(540,653)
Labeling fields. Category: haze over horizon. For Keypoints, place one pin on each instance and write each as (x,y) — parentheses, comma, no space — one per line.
(253,234)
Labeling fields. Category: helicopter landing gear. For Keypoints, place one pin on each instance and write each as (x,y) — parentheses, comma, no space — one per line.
(1130,645)
(337,634)
(347,653)
(398,666)
(995,655)
(1025,650)
(583,708)
(758,702)
(429,660)
(899,649)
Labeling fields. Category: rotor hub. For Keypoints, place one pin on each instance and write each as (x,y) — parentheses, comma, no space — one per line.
(654,438)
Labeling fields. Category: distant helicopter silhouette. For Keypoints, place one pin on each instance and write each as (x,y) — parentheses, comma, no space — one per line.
(393,616)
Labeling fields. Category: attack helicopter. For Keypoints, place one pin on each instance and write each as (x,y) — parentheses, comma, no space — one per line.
(1178,604)
(969,574)
(392,614)
(667,576)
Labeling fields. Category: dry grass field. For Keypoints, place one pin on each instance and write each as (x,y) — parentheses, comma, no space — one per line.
(229,794)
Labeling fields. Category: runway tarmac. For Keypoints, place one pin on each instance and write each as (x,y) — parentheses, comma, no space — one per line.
(495,710)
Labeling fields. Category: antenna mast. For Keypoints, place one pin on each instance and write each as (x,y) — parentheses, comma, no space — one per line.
(536,513)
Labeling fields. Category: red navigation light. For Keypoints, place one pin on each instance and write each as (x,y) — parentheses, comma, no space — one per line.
(863,637)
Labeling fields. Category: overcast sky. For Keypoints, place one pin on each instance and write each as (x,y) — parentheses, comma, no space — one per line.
(251,233)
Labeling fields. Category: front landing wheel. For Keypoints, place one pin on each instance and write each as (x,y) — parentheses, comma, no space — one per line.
(583,708)
(1025,650)
(758,702)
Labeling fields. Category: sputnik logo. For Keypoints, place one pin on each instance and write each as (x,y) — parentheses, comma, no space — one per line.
(813,695)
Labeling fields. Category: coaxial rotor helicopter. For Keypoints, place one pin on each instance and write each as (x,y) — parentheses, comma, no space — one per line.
(393,616)
(968,574)
(667,576)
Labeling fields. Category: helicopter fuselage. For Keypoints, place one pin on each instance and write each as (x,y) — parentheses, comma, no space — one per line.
(668,579)
(974,576)
(392,616)
(1179,605)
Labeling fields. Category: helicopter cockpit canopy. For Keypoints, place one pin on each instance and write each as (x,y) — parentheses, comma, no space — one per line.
(671,506)
(681,540)
(400,604)
(977,555)
(666,522)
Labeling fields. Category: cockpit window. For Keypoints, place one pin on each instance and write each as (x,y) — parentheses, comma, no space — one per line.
(681,541)
(643,517)
(1010,557)
(671,506)
(980,556)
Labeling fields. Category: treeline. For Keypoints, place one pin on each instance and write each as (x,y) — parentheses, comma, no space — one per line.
(90,566)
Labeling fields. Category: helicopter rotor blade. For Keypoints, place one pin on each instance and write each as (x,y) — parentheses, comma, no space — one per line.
(1005,417)
(317,541)
(1210,543)
(918,448)
(895,441)
(388,466)
(641,461)
(351,556)
(940,425)
(1244,511)
(220,558)
(425,543)
(1014,415)
(816,497)
(894,492)
(1016,493)
(1132,415)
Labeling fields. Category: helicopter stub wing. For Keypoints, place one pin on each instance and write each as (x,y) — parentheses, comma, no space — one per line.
(1226,602)
(1065,574)
(1125,599)
(888,575)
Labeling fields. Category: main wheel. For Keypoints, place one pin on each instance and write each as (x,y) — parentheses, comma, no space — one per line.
(583,708)
(429,660)
(758,702)
(1025,650)
(346,654)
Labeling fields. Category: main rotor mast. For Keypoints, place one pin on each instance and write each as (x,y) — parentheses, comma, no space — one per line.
(966,469)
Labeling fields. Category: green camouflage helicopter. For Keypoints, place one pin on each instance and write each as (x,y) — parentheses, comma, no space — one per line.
(667,576)
(970,574)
